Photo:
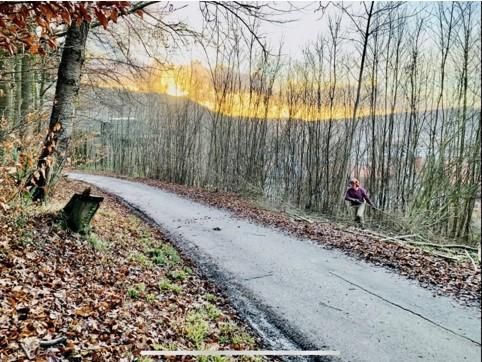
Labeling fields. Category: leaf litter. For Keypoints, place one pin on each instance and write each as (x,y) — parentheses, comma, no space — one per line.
(105,296)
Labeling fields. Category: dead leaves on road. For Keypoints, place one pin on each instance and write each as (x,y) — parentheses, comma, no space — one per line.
(453,278)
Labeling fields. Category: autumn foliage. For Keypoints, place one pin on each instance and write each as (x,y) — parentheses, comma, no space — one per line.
(106,294)
(34,26)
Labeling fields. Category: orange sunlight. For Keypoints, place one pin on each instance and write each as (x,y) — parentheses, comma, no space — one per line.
(195,83)
(170,87)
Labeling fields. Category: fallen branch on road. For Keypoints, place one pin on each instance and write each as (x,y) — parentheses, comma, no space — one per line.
(53,342)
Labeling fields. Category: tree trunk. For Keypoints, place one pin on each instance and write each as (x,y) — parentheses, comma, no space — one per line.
(26,92)
(354,121)
(18,90)
(4,85)
(60,126)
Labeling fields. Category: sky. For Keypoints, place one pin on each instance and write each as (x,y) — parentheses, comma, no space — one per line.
(303,26)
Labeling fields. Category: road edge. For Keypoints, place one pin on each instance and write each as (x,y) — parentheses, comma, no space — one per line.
(271,329)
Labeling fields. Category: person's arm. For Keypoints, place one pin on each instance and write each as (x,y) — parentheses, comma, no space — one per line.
(367,199)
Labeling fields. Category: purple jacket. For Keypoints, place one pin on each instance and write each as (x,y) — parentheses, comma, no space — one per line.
(357,197)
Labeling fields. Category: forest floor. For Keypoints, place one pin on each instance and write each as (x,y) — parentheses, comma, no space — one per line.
(111,294)
(459,277)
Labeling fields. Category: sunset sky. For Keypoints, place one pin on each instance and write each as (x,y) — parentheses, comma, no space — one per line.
(299,29)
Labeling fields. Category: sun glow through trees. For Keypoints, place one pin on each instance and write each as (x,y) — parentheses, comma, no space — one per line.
(171,87)
(241,95)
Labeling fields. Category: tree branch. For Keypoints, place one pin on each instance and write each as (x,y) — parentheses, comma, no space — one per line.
(138,6)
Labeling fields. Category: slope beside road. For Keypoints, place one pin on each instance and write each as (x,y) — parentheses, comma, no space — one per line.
(319,298)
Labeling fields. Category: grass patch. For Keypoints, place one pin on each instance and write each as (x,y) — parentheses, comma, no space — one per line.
(151,298)
(212,311)
(136,291)
(144,359)
(214,359)
(147,240)
(164,255)
(141,259)
(166,284)
(197,323)
(133,220)
(26,237)
(232,334)
(210,297)
(196,328)
(21,220)
(96,242)
(178,274)
(166,347)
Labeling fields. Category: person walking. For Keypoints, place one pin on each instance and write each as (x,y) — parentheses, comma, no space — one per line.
(358,198)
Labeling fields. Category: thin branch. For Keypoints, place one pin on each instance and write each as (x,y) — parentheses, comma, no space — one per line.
(138,6)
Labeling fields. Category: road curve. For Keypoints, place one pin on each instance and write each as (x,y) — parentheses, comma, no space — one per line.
(320,298)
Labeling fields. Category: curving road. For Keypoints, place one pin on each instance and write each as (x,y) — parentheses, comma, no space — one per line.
(315,297)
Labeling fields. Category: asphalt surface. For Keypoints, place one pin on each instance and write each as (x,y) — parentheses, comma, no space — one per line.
(315,297)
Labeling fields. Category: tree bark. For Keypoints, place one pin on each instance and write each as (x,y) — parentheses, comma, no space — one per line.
(18,90)
(60,126)
(26,92)
(4,85)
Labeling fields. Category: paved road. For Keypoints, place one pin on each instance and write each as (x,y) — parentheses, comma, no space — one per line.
(321,298)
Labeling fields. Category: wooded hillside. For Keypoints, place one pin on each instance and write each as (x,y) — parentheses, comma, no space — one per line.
(406,122)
